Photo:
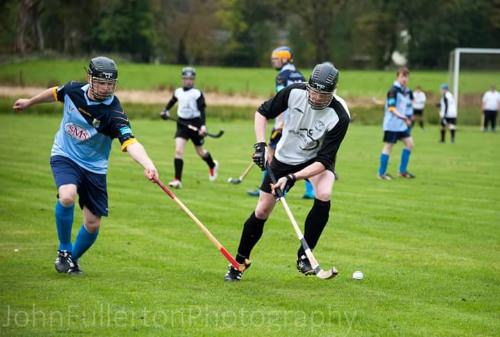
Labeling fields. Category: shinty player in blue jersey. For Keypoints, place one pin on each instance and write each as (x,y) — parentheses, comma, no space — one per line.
(92,118)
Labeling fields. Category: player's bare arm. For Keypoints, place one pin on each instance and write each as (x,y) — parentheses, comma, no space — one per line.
(45,96)
(307,172)
(138,153)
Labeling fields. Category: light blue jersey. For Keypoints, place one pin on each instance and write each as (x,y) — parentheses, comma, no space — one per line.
(88,128)
(397,98)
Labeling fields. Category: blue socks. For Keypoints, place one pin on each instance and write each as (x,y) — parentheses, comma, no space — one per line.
(83,241)
(405,158)
(384,160)
(309,192)
(64,222)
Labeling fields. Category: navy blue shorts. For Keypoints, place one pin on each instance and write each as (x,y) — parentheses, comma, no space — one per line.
(91,187)
(393,136)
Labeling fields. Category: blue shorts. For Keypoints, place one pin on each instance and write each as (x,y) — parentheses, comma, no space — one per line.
(91,187)
(393,136)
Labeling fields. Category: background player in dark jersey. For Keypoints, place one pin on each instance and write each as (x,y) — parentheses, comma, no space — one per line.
(313,130)
(282,61)
(190,111)
(92,118)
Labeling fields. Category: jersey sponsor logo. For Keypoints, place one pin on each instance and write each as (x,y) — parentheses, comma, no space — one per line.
(76,131)
(125,130)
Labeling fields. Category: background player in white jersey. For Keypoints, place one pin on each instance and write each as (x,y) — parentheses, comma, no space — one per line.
(419,99)
(313,130)
(282,61)
(490,106)
(92,118)
(396,125)
(447,113)
(190,111)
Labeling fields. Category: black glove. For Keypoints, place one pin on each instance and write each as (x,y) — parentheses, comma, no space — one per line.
(259,156)
(290,181)
(164,115)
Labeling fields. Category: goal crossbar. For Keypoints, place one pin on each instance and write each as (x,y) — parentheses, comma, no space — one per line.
(455,58)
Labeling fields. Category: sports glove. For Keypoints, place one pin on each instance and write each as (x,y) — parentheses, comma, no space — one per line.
(165,114)
(259,156)
(290,181)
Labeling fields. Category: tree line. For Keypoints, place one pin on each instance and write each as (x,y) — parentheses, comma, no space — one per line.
(352,34)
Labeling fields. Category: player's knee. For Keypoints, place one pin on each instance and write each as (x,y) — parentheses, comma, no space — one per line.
(262,211)
(323,195)
(67,195)
(67,200)
(92,225)
(179,154)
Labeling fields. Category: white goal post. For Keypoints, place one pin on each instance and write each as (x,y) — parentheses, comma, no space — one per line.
(454,64)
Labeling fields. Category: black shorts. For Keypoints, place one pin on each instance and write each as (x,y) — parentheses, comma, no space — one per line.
(91,187)
(393,136)
(418,112)
(280,169)
(447,120)
(275,138)
(186,133)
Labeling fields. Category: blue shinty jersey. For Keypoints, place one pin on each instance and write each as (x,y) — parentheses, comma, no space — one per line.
(88,128)
(287,75)
(398,98)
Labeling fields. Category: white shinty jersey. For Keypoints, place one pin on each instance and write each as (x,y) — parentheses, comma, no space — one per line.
(419,100)
(448,106)
(187,107)
(305,129)
(491,100)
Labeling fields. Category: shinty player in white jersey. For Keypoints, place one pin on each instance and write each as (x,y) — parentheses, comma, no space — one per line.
(190,111)
(314,128)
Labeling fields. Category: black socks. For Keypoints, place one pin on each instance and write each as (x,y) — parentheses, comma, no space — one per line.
(252,231)
(315,223)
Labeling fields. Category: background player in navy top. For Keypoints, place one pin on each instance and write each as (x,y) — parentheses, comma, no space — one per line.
(190,111)
(313,130)
(282,61)
(92,118)
(396,125)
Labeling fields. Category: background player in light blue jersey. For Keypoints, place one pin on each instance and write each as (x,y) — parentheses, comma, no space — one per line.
(282,60)
(396,125)
(92,118)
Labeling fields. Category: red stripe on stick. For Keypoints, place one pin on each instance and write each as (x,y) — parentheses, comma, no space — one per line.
(230,258)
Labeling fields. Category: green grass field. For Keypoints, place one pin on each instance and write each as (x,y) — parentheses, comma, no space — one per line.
(249,81)
(429,248)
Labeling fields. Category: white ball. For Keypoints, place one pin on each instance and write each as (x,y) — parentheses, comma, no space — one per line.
(357,275)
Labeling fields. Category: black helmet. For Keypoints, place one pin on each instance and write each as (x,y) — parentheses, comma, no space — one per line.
(103,67)
(188,72)
(103,75)
(322,84)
